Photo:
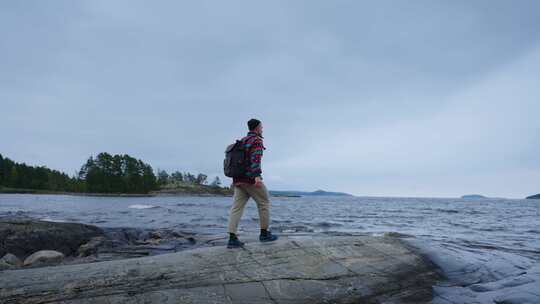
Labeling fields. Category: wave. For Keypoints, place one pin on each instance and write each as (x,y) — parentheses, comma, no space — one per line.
(142,206)
(48,219)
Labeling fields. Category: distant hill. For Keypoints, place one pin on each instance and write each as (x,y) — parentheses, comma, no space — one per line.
(305,193)
(536,196)
(473,196)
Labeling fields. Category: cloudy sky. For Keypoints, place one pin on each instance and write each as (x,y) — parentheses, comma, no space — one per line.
(378,98)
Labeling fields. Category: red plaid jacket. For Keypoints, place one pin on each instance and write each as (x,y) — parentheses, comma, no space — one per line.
(253,143)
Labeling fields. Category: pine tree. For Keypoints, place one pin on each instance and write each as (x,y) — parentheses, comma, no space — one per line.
(163,177)
(14,178)
(216,183)
(149,179)
(177,177)
(116,174)
(1,170)
(201,179)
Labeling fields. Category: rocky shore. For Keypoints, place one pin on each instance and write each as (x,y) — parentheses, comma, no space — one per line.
(343,269)
(28,243)
(106,265)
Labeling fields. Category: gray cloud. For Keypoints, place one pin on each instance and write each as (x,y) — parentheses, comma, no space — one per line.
(428,98)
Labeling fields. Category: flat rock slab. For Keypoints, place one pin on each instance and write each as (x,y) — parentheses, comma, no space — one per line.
(349,269)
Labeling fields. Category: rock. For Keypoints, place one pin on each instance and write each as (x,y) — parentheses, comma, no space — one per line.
(165,235)
(337,269)
(91,247)
(9,261)
(43,258)
(5,266)
(536,196)
(177,234)
(124,235)
(22,237)
(155,235)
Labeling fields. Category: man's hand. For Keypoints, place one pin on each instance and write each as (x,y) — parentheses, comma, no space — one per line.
(258,181)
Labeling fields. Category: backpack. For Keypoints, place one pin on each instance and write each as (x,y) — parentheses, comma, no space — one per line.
(234,164)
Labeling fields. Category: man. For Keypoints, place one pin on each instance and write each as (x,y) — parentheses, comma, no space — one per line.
(251,186)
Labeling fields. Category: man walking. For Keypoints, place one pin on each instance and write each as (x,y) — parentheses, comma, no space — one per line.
(251,186)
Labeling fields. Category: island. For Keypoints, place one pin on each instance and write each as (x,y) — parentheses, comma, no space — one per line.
(473,196)
(536,196)
(106,175)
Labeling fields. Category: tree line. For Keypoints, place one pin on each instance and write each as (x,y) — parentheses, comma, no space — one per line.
(20,175)
(104,173)
(108,173)
(177,177)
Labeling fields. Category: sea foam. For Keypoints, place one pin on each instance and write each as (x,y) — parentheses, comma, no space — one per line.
(142,206)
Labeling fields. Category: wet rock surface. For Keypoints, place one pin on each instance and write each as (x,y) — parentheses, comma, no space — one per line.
(24,236)
(126,242)
(91,247)
(337,269)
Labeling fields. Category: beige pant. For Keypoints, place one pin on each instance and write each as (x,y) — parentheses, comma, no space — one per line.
(242,193)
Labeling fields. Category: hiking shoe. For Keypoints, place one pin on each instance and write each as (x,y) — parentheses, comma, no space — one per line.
(269,237)
(235,243)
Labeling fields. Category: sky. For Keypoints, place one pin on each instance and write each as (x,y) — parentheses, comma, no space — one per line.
(374,98)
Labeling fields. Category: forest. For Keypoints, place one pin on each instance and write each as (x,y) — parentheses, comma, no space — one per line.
(104,173)
(22,176)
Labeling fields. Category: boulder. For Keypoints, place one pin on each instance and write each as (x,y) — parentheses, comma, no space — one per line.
(4,266)
(9,261)
(44,258)
(337,269)
(22,237)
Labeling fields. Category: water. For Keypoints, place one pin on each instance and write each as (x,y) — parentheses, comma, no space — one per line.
(489,249)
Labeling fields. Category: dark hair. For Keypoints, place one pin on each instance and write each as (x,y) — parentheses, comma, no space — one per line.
(253,123)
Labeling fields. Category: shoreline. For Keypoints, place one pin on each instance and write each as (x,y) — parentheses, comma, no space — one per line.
(150,194)
(223,192)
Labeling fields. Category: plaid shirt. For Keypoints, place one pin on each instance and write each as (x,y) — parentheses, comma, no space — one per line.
(253,143)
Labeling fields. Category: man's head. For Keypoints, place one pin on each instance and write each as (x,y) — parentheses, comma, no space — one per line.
(255,125)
